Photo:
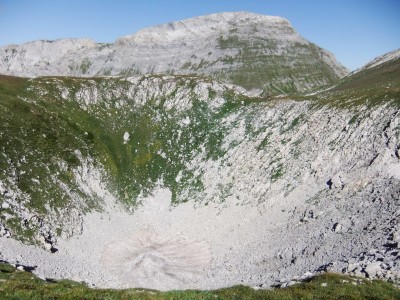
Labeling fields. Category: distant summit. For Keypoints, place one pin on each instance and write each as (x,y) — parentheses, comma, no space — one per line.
(222,23)
(250,50)
(387,57)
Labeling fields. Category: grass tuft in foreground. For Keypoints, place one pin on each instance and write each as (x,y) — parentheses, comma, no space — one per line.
(15,284)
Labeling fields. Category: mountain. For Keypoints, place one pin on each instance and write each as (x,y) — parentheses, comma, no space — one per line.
(389,57)
(380,74)
(254,51)
(199,183)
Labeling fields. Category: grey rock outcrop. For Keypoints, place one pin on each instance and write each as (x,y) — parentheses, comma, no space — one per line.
(254,51)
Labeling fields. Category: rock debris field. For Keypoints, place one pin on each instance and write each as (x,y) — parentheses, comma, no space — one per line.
(164,247)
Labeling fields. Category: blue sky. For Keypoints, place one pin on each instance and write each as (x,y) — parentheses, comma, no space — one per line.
(355,31)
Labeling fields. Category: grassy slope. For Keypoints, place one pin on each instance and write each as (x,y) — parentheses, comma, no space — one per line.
(374,86)
(34,140)
(136,166)
(42,132)
(257,65)
(16,284)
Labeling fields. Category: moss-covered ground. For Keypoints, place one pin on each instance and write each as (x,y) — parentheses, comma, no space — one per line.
(15,284)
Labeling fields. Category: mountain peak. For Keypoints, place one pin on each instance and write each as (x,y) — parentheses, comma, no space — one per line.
(242,15)
(218,23)
(251,50)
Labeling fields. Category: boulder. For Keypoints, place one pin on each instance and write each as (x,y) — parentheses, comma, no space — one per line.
(372,269)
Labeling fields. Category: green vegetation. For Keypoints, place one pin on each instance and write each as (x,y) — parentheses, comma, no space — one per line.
(369,87)
(292,125)
(277,173)
(85,65)
(263,143)
(257,66)
(15,284)
(47,133)
(39,148)
(231,41)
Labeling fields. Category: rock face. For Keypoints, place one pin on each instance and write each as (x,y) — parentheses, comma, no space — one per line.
(250,50)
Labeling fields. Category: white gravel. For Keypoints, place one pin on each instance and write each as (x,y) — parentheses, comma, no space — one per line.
(157,247)
(163,247)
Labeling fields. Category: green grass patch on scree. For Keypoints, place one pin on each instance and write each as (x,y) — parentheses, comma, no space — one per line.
(45,135)
(33,142)
(16,284)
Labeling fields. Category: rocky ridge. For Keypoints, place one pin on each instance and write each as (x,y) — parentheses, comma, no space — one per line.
(254,51)
(387,57)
